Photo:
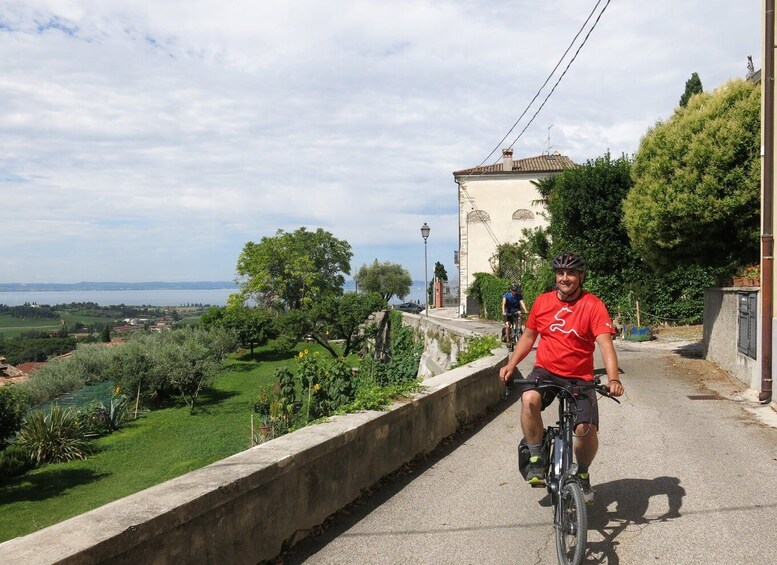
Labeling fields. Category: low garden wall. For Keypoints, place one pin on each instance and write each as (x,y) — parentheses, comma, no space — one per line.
(244,508)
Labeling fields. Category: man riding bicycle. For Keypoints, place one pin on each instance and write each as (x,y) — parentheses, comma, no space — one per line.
(571,322)
(512,306)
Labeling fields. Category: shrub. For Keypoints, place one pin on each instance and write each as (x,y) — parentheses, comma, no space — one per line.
(190,368)
(13,404)
(55,378)
(14,461)
(101,419)
(53,437)
(92,363)
(476,348)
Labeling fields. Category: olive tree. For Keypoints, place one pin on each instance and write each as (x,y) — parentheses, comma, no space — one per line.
(387,279)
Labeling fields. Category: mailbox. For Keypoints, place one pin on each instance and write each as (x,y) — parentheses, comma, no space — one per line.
(748,326)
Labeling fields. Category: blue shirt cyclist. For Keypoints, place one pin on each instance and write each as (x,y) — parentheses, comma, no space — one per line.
(512,303)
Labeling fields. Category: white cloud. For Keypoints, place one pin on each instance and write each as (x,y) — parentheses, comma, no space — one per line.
(150,139)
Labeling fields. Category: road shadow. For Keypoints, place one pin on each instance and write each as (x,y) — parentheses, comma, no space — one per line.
(691,350)
(343,520)
(623,503)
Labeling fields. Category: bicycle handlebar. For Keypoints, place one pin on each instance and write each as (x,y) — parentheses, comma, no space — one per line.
(569,389)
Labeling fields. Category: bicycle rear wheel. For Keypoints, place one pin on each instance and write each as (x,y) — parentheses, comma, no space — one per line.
(571,524)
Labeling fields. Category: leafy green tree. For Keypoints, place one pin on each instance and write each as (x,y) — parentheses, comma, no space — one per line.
(213,317)
(253,326)
(336,318)
(189,366)
(585,208)
(696,190)
(692,86)
(387,279)
(510,260)
(294,269)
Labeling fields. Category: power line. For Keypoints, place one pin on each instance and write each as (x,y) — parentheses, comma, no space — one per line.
(561,77)
(462,186)
(550,75)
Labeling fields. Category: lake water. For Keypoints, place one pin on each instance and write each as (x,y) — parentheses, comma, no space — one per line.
(214,297)
(157,297)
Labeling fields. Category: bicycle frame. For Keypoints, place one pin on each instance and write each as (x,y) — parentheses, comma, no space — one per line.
(515,329)
(570,519)
(560,440)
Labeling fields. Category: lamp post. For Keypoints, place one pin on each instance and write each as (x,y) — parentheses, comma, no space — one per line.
(425,234)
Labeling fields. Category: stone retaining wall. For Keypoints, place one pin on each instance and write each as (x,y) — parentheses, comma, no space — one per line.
(242,509)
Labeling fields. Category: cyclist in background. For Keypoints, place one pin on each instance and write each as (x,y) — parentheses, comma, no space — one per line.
(571,322)
(512,304)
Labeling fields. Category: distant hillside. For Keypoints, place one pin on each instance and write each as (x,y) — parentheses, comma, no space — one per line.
(198,285)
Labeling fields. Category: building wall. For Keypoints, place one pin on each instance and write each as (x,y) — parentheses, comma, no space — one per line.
(721,332)
(493,210)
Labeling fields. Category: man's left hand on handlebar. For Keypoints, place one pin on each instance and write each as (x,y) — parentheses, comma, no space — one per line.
(615,387)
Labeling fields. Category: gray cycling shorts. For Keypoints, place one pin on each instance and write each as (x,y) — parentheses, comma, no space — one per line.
(588,407)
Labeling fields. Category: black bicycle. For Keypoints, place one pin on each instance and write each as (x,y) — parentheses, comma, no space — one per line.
(515,330)
(570,519)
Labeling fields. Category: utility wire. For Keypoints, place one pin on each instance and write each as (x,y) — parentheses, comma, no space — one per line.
(544,84)
(547,80)
(559,78)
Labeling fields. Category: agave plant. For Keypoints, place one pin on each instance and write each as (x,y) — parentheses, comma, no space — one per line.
(99,419)
(54,437)
(116,412)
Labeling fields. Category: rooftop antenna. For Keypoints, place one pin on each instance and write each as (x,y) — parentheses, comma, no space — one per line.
(547,142)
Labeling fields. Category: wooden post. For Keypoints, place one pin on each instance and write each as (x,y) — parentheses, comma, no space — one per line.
(137,402)
(638,322)
(252,430)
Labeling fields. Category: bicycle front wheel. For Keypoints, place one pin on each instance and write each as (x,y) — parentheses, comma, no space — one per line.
(571,524)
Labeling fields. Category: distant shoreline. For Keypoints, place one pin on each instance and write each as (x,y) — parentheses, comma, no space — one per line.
(100,286)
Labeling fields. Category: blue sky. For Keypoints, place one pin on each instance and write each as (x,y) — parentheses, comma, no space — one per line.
(149,140)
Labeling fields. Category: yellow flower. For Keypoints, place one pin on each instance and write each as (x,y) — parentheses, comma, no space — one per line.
(117,390)
(317,387)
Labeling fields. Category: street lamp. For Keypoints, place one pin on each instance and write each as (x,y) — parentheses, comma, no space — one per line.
(425,234)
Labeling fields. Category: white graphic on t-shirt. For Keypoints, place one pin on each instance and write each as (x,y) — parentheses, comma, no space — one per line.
(559,327)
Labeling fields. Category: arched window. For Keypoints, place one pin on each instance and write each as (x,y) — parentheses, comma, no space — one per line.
(523,214)
(478,216)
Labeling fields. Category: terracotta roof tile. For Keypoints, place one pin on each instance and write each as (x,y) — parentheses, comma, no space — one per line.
(539,164)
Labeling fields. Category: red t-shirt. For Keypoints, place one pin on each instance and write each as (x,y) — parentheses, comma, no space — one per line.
(568,333)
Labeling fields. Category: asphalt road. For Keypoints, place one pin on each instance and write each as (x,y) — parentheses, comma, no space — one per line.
(686,474)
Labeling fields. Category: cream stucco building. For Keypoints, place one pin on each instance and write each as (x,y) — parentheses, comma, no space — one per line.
(495,203)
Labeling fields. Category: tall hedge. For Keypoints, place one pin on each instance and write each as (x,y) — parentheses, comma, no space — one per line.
(488,291)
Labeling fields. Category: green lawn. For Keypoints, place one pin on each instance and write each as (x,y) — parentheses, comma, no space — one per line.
(160,445)
(12,327)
